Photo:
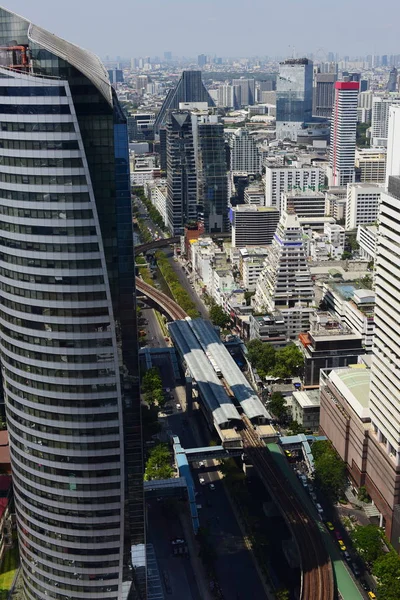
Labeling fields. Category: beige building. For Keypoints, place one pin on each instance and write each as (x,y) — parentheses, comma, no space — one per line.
(371,165)
(346,420)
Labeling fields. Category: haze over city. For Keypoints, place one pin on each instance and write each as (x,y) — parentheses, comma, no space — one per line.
(199,300)
(223,27)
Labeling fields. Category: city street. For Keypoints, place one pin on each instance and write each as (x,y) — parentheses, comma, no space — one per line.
(177,267)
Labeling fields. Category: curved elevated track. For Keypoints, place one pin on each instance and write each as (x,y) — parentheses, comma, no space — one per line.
(317,573)
(167,306)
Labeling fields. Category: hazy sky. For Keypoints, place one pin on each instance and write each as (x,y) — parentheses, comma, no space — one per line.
(132,28)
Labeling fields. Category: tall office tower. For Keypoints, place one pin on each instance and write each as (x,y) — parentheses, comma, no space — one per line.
(116,76)
(202,60)
(324,93)
(384,60)
(245,156)
(392,82)
(294,96)
(343,133)
(68,340)
(167,55)
(181,172)
(380,118)
(285,283)
(212,178)
(226,96)
(190,88)
(247,90)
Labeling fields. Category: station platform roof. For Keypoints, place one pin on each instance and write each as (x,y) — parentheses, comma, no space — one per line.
(240,387)
(212,391)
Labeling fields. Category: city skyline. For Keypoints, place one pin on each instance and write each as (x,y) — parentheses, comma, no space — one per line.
(183,32)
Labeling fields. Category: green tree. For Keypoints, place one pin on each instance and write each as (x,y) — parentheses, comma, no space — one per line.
(368,542)
(277,405)
(289,362)
(219,317)
(158,465)
(330,470)
(296,428)
(346,255)
(282,594)
(387,569)
(261,356)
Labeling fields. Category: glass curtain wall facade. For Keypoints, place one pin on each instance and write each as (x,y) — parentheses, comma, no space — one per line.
(68,340)
(212,177)
(181,172)
(294,96)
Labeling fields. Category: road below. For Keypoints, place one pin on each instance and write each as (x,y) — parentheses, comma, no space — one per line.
(183,280)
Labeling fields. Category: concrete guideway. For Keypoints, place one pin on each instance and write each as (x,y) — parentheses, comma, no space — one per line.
(346,586)
(163,303)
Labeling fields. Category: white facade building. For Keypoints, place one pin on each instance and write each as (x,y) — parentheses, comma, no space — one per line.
(304,203)
(362,204)
(283,178)
(245,156)
(343,133)
(393,145)
(156,191)
(251,264)
(367,238)
(380,118)
(355,309)
(285,283)
(385,371)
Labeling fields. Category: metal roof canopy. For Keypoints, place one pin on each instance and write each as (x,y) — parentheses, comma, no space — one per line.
(212,391)
(241,388)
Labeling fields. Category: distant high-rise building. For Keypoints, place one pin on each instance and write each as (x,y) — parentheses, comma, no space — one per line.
(202,60)
(181,172)
(285,283)
(116,76)
(392,82)
(245,156)
(324,93)
(247,90)
(167,55)
(384,60)
(190,88)
(68,342)
(212,178)
(343,133)
(294,97)
(226,96)
(141,126)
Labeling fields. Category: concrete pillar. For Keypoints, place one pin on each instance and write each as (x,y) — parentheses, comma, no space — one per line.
(189,394)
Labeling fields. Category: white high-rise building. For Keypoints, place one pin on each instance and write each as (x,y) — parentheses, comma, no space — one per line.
(245,156)
(343,133)
(362,204)
(380,118)
(393,145)
(281,178)
(285,282)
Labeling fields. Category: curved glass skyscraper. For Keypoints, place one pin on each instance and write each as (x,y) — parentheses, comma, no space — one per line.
(67,320)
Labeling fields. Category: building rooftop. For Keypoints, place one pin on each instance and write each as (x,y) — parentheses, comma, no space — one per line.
(308,399)
(353,383)
(254,208)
